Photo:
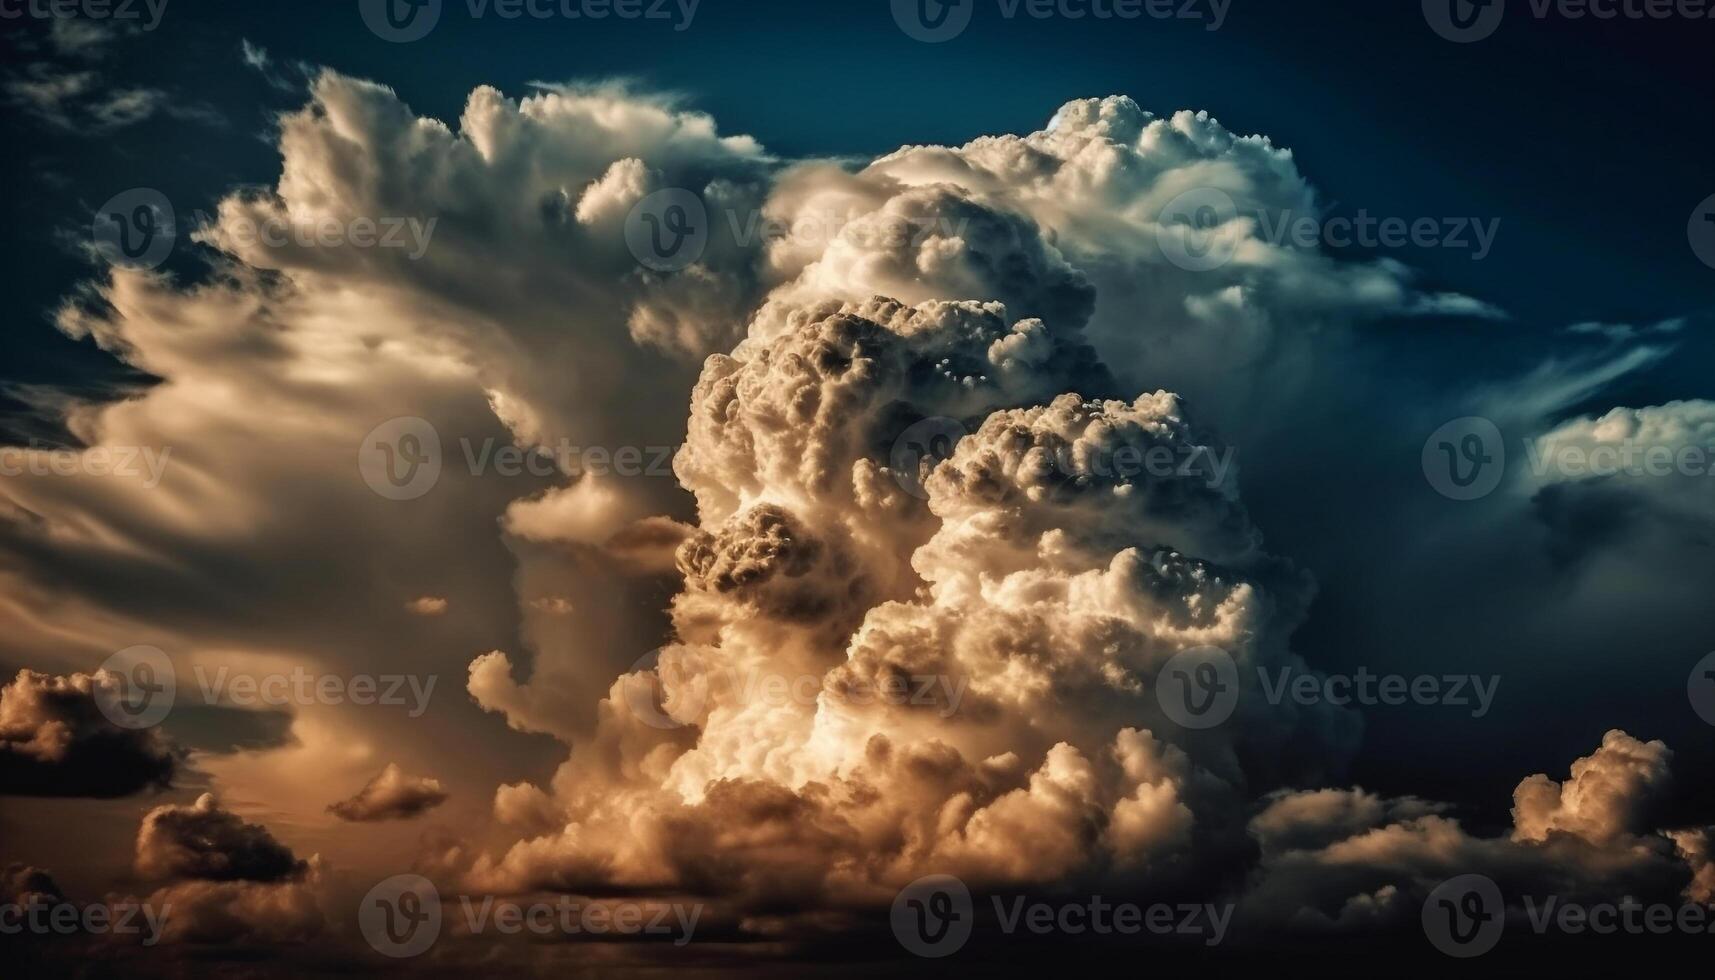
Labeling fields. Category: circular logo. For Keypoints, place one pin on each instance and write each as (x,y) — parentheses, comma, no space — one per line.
(1465,459)
(1464,916)
(644,692)
(921,448)
(135,228)
(1702,231)
(933,21)
(1700,687)
(401,917)
(1189,230)
(400,21)
(932,917)
(138,689)
(668,230)
(1199,687)
(1464,21)
(400,459)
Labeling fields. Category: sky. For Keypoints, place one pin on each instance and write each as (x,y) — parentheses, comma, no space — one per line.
(1384,300)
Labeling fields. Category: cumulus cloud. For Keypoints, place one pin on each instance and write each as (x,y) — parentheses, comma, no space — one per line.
(391,795)
(1336,859)
(224,879)
(887,650)
(55,740)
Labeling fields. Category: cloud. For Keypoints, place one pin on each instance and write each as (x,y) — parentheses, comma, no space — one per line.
(203,841)
(391,795)
(886,650)
(1352,861)
(428,606)
(56,740)
(224,880)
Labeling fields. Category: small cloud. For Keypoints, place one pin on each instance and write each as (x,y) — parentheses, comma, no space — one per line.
(428,605)
(257,59)
(1624,331)
(391,795)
